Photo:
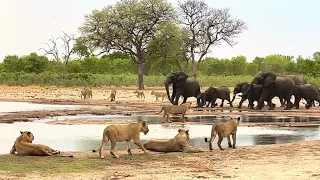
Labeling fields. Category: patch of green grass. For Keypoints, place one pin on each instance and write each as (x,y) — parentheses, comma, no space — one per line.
(51,165)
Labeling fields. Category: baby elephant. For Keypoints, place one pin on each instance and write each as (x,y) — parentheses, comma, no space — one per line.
(222,93)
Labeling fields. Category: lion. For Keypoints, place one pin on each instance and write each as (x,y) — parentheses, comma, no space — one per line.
(86,93)
(139,94)
(175,110)
(224,129)
(113,95)
(158,94)
(180,143)
(119,133)
(23,146)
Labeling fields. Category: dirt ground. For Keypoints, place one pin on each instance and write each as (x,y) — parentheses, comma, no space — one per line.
(288,161)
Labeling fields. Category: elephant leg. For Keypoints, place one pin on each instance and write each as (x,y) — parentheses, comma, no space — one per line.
(176,100)
(228,99)
(264,97)
(213,102)
(282,102)
(287,99)
(184,100)
(221,105)
(241,101)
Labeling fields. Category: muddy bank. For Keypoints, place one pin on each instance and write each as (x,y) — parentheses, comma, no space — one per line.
(289,161)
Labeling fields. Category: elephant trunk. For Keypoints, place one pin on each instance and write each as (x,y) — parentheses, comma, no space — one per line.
(167,90)
(234,96)
(249,88)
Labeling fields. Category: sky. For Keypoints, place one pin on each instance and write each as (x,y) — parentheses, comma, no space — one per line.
(288,27)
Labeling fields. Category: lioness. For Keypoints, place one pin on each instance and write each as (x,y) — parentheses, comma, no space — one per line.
(119,133)
(180,143)
(23,146)
(158,94)
(224,129)
(140,94)
(174,110)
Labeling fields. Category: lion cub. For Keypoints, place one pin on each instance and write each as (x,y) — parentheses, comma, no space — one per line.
(174,110)
(139,94)
(86,93)
(224,129)
(113,95)
(158,94)
(119,133)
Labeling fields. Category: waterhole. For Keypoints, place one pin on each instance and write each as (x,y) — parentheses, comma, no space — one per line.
(88,137)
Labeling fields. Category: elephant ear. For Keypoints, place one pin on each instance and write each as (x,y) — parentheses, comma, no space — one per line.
(180,78)
(269,78)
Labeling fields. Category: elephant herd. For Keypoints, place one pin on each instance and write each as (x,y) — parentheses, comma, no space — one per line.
(263,88)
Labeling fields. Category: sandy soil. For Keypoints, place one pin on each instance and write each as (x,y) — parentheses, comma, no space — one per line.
(289,161)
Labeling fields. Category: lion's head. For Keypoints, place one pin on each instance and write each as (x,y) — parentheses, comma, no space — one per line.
(185,133)
(235,121)
(144,128)
(26,136)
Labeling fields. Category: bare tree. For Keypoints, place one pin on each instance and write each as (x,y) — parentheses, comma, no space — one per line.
(207,27)
(64,53)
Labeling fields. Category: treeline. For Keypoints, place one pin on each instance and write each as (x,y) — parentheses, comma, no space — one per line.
(118,69)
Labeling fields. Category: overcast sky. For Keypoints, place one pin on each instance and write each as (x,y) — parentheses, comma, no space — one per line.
(289,27)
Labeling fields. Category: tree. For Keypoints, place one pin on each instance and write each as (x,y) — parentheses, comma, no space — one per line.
(166,51)
(35,64)
(66,51)
(127,26)
(207,27)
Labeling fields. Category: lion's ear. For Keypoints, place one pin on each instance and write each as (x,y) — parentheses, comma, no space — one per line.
(238,118)
(179,130)
(144,123)
(187,131)
(21,132)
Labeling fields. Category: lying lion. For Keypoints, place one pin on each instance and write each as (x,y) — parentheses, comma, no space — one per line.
(174,110)
(119,133)
(180,143)
(23,146)
(224,129)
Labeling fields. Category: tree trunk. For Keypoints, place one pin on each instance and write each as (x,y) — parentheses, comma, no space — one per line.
(194,68)
(140,75)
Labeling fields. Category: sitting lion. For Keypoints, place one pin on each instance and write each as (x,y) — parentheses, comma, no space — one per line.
(224,129)
(119,133)
(23,146)
(180,143)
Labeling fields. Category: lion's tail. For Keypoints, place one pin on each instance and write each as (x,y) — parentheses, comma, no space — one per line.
(160,110)
(213,132)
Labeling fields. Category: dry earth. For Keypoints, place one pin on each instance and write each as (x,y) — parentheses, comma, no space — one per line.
(289,161)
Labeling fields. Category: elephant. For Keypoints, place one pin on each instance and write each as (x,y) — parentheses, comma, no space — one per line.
(182,85)
(253,95)
(201,99)
(297,79)
(273,85)
(309,92)
(222,93)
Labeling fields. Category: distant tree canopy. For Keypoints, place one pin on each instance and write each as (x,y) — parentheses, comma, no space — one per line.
(119,63)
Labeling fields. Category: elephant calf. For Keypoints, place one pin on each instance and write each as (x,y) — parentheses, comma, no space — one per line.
(309,92)
(222,93)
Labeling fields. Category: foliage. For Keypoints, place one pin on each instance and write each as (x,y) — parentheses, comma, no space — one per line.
(127,26)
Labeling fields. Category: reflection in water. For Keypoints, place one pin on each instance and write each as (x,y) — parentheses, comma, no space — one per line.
(88,137)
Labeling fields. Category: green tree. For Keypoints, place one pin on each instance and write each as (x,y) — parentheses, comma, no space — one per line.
(12,63)
(238,65)
(35,64)
(127,26)
(166,51)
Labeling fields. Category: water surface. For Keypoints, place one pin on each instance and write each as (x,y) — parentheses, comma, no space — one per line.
(88,137)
